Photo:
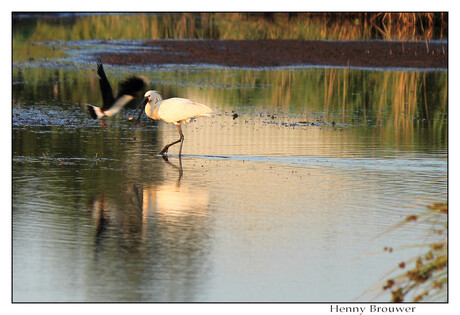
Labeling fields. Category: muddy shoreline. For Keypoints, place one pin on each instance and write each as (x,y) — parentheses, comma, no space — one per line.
(274,53)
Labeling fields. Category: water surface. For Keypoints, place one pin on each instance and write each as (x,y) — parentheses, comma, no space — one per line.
(286,202)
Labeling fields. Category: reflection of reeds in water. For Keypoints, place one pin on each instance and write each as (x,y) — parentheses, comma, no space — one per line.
(282,90)
(400,103)
(404,104)
(397,100)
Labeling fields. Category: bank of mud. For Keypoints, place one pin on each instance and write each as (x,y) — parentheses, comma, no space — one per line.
(274,53)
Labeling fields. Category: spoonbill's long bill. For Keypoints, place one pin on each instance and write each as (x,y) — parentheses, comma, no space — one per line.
(175,110)
(127,90)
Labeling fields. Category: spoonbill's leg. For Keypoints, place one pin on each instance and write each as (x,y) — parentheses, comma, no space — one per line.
(181,140)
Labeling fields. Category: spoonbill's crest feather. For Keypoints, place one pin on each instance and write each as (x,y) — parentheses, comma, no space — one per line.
(153,96)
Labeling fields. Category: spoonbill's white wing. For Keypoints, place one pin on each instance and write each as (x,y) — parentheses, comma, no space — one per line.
(181,109)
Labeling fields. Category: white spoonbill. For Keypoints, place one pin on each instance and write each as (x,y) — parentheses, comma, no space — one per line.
(111,105)
(175,110)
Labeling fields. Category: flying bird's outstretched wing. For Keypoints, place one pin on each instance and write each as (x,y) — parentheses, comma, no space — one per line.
(132,86)
(106,89)
(127,90)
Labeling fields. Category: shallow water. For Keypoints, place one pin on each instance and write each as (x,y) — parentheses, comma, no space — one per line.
(282,203)
(288,193)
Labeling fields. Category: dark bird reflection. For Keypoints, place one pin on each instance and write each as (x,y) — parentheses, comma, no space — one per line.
(102,220)
(155,236)
(179,168)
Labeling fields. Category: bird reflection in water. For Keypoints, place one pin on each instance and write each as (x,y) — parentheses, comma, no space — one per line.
(102,219)
(172,200)
(169,207)
(178,168)
(153,236)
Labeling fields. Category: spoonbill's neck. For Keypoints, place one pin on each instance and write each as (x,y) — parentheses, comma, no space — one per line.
(152,112)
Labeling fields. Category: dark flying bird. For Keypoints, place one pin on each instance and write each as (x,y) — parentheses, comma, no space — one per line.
(128,89)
